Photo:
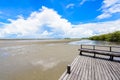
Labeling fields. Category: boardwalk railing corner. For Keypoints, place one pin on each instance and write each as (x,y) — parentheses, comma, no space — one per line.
(87,68)
(95,51)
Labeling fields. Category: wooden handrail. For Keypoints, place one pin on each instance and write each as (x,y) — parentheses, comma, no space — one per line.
(101,45)
(94,47)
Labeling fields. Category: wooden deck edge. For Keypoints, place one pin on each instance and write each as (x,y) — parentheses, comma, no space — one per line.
(64,75)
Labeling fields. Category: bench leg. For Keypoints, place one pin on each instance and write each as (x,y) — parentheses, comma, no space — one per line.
(94,55)
(111,58)
(80,52)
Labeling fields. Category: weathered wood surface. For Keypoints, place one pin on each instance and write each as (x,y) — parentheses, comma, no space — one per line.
(88,68)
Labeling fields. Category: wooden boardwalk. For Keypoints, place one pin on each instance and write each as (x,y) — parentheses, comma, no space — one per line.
(89,68)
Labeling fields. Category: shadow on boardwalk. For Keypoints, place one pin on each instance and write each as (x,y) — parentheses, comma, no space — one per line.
(100,57)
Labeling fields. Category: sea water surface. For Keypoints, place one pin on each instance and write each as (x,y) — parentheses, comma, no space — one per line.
(93,42)
(34,59)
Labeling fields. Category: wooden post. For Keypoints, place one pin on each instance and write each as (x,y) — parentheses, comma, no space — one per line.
(81,46)
(93,47)
(94,55)
(80,52)
(94,52)
(111,58)
(110,49)
(68,69)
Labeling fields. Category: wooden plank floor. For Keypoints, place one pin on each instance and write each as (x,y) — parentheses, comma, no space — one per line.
(88,68)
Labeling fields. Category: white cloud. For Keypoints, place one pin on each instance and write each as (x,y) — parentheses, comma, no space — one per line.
(109,3)
(115,8)
(104,15)
(35,25)
(109,8)
(89,29)
(82,2)
(47,23)
(70,5)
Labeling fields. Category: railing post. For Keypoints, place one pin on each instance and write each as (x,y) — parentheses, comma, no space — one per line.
(93,47)
(111,58)
(81,46)
(110,48)
(80,50)
(94,52)
(68,69)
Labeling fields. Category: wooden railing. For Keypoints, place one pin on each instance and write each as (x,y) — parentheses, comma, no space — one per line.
(112,51)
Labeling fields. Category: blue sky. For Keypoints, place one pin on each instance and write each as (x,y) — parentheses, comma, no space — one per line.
(58,18)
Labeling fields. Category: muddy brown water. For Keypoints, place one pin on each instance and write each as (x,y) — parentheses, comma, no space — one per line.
(32,60)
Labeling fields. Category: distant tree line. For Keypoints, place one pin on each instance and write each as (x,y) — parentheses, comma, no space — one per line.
(113,37)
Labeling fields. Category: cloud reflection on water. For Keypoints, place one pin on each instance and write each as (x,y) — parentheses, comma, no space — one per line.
(45,64)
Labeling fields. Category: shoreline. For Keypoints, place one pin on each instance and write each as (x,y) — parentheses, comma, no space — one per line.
(28,42)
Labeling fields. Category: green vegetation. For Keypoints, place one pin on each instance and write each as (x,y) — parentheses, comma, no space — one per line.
(113,37)
(66,38)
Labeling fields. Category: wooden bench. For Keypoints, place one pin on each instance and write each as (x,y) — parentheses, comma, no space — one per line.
(110,52)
